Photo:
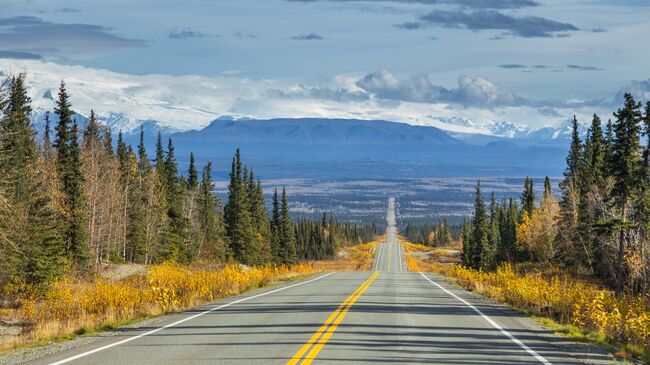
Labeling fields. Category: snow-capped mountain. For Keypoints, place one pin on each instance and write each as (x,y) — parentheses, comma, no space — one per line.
(181,103)
(518,131)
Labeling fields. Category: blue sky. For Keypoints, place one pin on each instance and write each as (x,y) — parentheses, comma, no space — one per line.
(531,51)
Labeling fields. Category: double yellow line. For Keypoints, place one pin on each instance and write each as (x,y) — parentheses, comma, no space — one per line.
(320,338)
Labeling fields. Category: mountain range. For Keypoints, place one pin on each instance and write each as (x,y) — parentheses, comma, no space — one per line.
(202,117)
(343,148)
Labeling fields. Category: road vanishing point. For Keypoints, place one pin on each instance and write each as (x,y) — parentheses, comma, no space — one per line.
(384,316)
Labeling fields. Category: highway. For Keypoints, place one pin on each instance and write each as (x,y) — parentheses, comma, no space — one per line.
(387,315)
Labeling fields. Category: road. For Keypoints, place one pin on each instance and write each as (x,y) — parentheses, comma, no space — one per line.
(386,315)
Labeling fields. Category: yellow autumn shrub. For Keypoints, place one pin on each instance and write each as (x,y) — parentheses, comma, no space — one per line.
(71,304)
(624,319)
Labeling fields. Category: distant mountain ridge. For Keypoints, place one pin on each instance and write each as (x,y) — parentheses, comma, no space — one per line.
(343,148)
(311,131)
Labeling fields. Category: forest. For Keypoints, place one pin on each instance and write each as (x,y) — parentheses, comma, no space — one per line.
(600,226)
(439,234)
(72,201)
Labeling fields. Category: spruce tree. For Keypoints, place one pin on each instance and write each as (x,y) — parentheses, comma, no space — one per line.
(547,188)
(69,162)
(480,231)
(288,239)
(193,175)
(488,258)
(643,202)
(276,247)
(468,247)
(47,139)
(73,180)
(507,250)
(171,174)
(136,234)
(626,173)
(160,161)
(210,222)
(595,152)
(239,228)
(570,246)
(528,197)
(144,166)
(31,245)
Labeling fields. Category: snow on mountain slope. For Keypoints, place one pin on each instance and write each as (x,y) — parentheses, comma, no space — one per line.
(180,103)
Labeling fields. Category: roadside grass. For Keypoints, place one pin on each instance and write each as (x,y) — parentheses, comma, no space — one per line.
(73,307)
(576,308)
(351,258)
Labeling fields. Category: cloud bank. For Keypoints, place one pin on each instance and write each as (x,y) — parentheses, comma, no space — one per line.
(59,40)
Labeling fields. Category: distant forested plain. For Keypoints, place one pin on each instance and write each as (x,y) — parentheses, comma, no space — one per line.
(422,200)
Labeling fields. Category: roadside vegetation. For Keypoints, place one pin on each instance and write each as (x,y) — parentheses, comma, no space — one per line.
(73,203)
(72,306)
(575,307)
(582,261)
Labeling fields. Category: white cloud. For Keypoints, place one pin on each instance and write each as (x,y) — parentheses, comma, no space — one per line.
(192,102)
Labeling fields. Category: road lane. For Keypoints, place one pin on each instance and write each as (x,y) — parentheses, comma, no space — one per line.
(384,316)
(265,329)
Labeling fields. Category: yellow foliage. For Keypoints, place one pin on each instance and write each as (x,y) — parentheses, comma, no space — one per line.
(625,319)
(354,258)
(70,304)
(537,232)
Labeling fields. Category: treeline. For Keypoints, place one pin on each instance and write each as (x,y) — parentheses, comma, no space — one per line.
(318,240)
(439,234)
(77,200)
(601,224)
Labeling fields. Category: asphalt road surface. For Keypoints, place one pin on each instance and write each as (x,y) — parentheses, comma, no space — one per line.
(386,316)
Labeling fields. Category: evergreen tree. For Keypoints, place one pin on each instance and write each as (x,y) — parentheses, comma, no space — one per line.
(595,152)
(136,235)
(480,232)
(569,245)
(467,254)
(171,174)
(626,173)
(144,166)
(160,160)
(507,249)
(260,217)
(69,161)
(547,188)
(643,203)
(239,228)
(592,181)
(47,140)
(287,234)
(78,234)
(31,246)
(193,175)
(276,246)
(528,197)
(488,258)
(211,243)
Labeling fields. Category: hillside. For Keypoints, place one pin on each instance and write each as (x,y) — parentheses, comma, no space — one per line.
(342,148)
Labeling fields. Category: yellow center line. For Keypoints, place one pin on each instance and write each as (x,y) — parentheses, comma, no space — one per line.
(319,339)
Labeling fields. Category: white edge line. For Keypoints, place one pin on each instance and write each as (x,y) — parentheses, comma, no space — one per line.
(378,256)
(182,321)
(399,256)
(494,324)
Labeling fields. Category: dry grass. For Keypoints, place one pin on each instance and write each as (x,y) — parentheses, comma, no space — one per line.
(595,312)
(353,258)
(72,306)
